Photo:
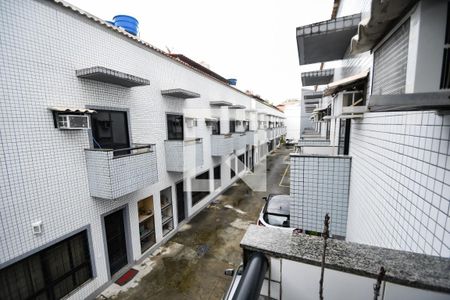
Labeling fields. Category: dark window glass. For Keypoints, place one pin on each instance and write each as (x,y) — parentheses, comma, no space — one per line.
(447,29)
(200,187)
(110,130)
(215,127)
(175,127)
(217,176)
(344,137)
(241,163)
(445,73)
(232,126)
(247,126)
(49,274)
(232,166)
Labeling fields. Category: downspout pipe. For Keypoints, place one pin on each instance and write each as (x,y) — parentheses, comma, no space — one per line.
(249,287)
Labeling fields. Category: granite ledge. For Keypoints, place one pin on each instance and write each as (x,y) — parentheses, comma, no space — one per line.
(402,267)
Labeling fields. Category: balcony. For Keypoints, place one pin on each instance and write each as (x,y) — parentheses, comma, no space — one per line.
(351,270)
(252,137)
(239,141)
(112,176)
(182,156)
(315,145)
(221,144)
(262,135)
(327,40)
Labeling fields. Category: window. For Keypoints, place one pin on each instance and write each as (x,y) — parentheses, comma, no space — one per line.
(344,137)
(110,130)
(215,127)
(51,273)
(200,187)
(217,176)
(146,223)
(390,62)
(166,210)
(247,125)
(232,126)
(445,73)
(232,166)
(241,163)
(175,127)
(354,98)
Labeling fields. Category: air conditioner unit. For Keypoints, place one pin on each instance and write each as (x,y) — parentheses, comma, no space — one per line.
(191,122)
(73,122)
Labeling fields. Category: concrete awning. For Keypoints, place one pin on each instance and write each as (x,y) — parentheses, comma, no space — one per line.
(319,109)
(106,75)
(237,106)
(220,103)
(72,110)
(317,77)
(313,96)
(327,40)
(410,102)
(345,83)
(353,116)
(180,93)
(382,16)
(211,119)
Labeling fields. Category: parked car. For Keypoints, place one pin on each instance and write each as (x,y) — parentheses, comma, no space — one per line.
(237,274)
(291,142)
(275,212)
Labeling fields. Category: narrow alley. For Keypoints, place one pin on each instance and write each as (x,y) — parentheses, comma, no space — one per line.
(191,265)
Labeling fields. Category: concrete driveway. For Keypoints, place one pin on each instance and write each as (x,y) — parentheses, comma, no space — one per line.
(191,264)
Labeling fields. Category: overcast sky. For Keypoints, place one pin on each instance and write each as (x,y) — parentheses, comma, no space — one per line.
(251,40)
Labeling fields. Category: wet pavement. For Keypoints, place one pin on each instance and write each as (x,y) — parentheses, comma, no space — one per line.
(191,264)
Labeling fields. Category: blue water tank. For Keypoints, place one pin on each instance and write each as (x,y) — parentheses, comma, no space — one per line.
(232,81)
(128,23)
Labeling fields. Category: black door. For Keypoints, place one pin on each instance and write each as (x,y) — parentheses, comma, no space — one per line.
(252,160)
(181,201)
(110,130)
(344,136)
(115,239)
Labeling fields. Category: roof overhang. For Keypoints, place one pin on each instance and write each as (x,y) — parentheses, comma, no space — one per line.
(106,75)
(59,109)
(345,83)
(237,106)
(313,96)
(220,103)
(327,40)
(317,77)
(410,102)
(372,29)
(180,93)
(211,119)
(319,109)
(352,116)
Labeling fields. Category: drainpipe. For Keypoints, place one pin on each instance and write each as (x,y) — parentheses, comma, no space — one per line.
(249,287)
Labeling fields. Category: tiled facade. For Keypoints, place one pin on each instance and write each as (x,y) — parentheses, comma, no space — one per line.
(400,178)
(46,174)
(320,185)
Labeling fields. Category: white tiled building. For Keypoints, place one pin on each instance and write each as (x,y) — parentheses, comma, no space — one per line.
(388,109)
(103,198)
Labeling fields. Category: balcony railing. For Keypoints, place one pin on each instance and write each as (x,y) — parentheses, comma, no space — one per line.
(252,137)
(351,270)
(115,173)
(183,155)
(262,135)
(221,144)
(239,141)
